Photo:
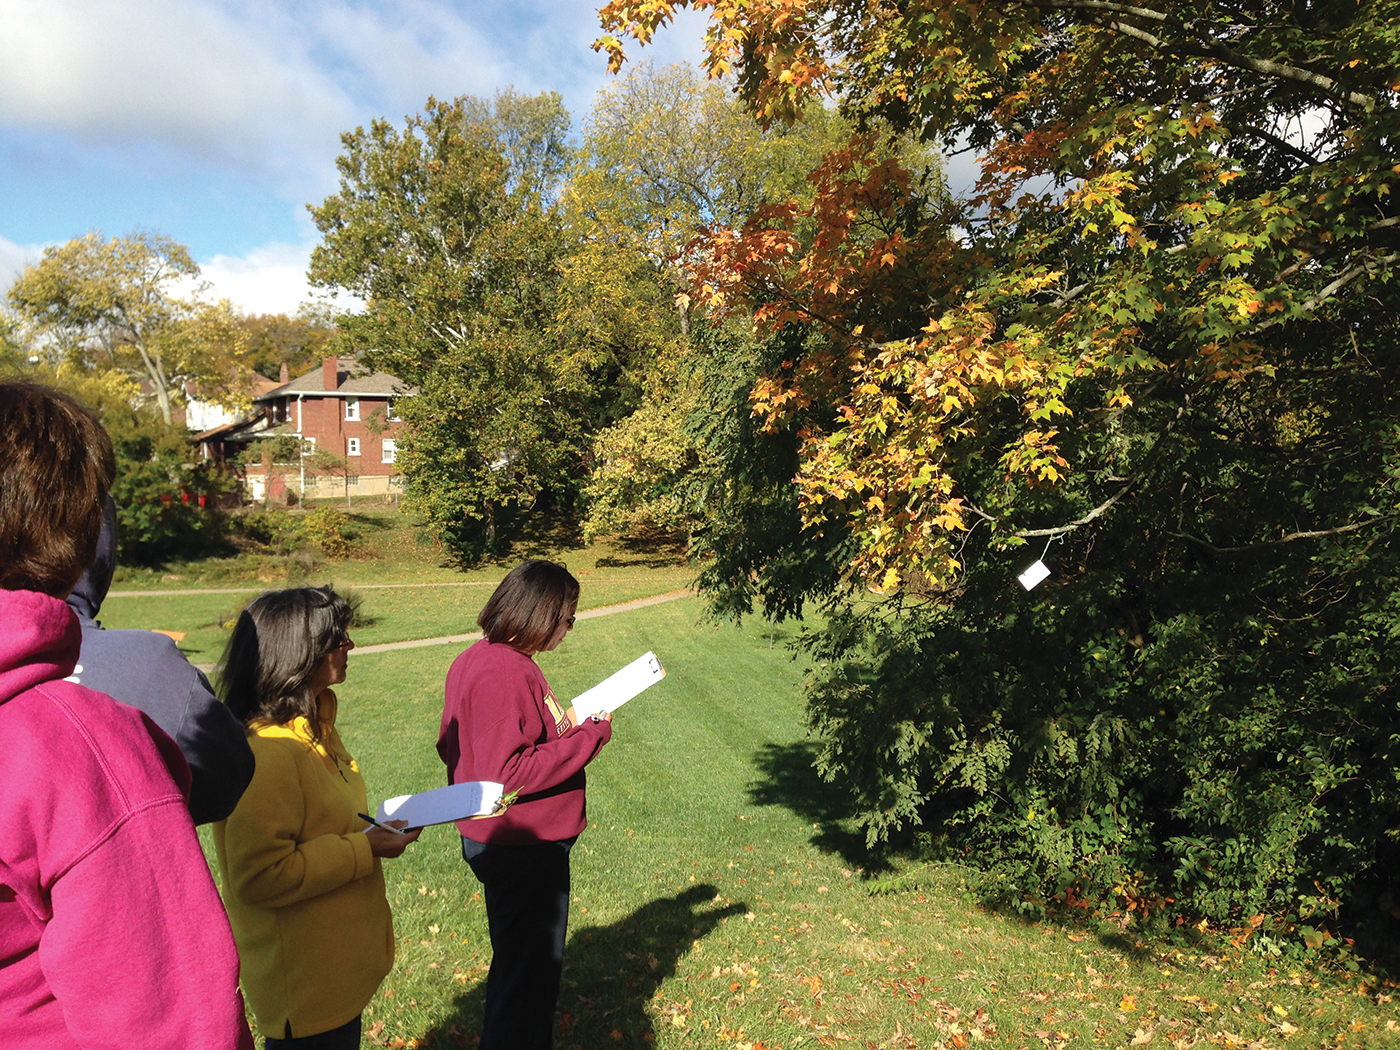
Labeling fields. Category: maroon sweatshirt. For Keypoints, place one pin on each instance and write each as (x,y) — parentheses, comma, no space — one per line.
(501,722)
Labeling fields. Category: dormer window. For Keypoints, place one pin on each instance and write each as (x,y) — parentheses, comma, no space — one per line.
(352,408)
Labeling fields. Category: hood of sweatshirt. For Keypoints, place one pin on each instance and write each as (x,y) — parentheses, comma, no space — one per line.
(87,597)
(39,641)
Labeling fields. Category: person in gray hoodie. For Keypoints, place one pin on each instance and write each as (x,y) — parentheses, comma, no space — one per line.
(147,671)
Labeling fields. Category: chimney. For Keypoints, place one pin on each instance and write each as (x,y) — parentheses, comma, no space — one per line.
(329,380)
(284,377)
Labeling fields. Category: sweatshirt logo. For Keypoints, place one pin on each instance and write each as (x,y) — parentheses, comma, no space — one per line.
(561,720)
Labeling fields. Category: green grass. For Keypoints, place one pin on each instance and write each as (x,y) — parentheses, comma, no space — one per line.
(719,898)
(389,615)
(393,546)
(391,549)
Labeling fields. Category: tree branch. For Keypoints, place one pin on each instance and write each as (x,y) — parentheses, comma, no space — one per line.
(1097,9)
(1292,537)
(1343,279)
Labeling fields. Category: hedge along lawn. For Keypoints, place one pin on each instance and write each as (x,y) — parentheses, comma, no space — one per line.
(390,614)
(718,898)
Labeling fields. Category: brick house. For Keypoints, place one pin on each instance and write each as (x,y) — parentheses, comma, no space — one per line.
(340,408)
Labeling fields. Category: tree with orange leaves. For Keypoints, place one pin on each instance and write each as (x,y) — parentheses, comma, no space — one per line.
(1156,341)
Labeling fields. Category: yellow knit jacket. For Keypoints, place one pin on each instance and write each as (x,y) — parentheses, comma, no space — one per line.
(304,894)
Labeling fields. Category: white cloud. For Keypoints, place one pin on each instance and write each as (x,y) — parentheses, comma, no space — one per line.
(13,259)
(172,73)
(268,84)
(268,280)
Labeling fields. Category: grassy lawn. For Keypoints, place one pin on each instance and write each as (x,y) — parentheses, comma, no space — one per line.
(392,546)
(392,614)
(399,579)
(720,901)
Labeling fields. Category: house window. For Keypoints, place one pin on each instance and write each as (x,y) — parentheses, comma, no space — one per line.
(352,446)
(279,410)
(390,450)
(352,408)
(393,414)
(352,481)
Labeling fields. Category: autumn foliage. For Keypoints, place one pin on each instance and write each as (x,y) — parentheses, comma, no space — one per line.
(1158,334)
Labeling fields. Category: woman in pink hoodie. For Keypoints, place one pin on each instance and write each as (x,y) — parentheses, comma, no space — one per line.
(111,931)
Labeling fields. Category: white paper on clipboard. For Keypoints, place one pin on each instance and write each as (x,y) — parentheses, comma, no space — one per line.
(615,690)
(471,798)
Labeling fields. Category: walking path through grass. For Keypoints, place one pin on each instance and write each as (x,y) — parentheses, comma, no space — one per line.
(458,639)
(385,615)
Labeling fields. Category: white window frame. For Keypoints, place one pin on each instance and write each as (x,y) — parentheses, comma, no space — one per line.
(390,412)
(352,409)
(388,450)
(352,446)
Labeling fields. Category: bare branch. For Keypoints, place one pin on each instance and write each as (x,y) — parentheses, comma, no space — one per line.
(1104,507)
(1292,537)
(1343,279)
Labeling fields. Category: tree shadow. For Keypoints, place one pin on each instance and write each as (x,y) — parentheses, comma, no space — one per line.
(610,973)
(789,779)
(651,549)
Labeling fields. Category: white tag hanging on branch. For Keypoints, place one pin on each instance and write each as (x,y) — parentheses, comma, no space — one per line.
(1037,571)
(1034,574)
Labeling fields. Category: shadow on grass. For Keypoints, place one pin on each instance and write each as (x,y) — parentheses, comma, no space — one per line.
(789,779)
(649,550)
(610,973)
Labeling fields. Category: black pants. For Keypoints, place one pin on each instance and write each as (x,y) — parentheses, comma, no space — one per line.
(346,1037)
(527,910)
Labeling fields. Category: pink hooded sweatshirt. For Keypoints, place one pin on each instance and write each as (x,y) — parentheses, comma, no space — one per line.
(111,931)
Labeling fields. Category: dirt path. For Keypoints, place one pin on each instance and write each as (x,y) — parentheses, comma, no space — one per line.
(458,639)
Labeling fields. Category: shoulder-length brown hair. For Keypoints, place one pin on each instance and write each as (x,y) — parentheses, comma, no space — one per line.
(279,641)
(56,468)
(528,604)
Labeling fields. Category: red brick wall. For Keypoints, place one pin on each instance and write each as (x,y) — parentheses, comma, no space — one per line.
(324,419)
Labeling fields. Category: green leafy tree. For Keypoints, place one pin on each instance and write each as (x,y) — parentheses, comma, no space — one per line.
(1158,340)
(448,231)
(665,156)
(131,304)
(298,341)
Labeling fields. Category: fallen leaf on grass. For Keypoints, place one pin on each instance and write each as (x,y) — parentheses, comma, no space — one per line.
(1142,1036)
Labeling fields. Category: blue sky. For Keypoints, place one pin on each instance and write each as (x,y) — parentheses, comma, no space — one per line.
(216,121)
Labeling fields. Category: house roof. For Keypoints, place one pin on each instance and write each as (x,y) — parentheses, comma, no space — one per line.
(352,380)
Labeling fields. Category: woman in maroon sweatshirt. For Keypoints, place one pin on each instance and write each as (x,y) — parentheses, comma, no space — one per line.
(501,722)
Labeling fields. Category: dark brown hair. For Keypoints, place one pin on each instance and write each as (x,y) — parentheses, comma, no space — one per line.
(279,641)
(56,468)
(528,604)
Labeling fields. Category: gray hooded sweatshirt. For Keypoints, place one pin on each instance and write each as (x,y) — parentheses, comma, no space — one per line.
(146,670)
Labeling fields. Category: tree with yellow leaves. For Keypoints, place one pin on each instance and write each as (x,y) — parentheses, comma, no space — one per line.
(133,304)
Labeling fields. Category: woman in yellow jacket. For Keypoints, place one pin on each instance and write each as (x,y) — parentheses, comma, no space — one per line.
(301,868)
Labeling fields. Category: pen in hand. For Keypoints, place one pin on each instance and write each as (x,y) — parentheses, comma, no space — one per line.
(366,816)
